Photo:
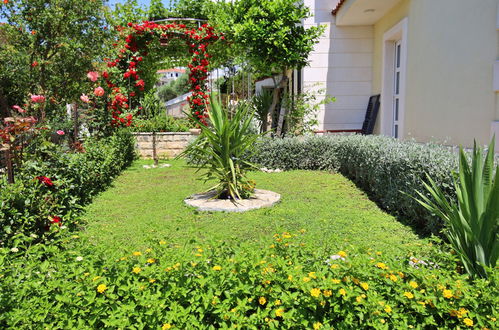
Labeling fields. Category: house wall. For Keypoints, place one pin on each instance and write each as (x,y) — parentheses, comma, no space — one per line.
(452,46)
(341,64)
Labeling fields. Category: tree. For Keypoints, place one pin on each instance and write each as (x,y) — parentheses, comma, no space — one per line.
(270,36)
(157,10)
(123,13)
(51,47)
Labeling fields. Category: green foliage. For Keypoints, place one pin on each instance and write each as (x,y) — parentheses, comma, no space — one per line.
(174,88)
(191,8)
(270,34)
(161,123)
(52,45)
(223,150)
(472,222)
(157,10)
(278,285)
(27,206)
(128,11)
(302,109)
(261,102)
(384,167)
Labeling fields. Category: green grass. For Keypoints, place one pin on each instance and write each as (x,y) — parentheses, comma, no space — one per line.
(146,205)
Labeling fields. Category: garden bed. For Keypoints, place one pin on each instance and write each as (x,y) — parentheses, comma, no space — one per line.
(325,256)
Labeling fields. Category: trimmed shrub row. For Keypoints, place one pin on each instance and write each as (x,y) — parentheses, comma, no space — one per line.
(389,170)
(52,186)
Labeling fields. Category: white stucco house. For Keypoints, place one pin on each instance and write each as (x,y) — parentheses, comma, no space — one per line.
(434,63)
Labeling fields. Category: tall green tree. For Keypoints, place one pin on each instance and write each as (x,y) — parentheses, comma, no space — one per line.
(157,10)
(49,48)
(270,36)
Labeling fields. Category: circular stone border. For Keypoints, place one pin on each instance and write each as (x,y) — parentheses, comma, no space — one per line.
(205,202)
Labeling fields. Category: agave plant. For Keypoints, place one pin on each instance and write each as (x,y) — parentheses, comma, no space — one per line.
(223,149)
(472,223)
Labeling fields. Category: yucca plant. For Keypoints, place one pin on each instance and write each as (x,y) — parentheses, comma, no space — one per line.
(223,149)
(472,223)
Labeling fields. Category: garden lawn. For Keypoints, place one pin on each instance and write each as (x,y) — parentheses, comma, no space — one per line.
(146,206)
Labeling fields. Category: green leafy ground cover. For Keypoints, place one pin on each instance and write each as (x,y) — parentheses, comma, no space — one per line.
(325,257)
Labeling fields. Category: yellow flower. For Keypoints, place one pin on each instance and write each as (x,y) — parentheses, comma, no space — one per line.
(388,309)
(152,280)
(277,302)
(279,312)
(148,250)
(364,285)
(394,278)
(286,235)
(101,288)
(136,270)
(290,277)
(328,293)
(137,253)
(335,281)
(166,326)
(162,242)
(272,246)
(342,291)
(151,260)
(217,267)
(317,325)
(306,279)
(315,292)
(95,278)
(447,294)
(334,266)
(468,322)
(262,301)
(342,254)
(312,275)
(408,295)
(381,265)
(358,299)
(413,284)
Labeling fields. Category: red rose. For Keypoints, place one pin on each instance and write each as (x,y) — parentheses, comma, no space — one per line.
(56,220)
(45,181)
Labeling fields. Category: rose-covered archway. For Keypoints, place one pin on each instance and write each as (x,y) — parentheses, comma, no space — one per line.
(123,76)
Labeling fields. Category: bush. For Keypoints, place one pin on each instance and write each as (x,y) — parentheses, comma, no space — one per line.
(161,123)
(280,285)
(384,167)
(52,187)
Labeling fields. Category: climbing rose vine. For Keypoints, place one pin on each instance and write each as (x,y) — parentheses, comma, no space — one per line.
(123,75)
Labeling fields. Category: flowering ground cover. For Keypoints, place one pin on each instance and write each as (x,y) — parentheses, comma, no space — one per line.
(325,257)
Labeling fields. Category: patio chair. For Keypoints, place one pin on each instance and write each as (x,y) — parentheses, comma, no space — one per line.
(369,120)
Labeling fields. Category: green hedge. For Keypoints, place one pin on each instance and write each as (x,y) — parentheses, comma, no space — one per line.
(384,167)
(27,206)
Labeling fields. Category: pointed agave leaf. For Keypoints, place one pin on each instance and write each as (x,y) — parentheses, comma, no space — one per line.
(472,223)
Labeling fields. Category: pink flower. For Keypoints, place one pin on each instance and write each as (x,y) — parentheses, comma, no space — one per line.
(99,91)
(84,98)
(37,98)
(60,132)
(18,108)
(93,76)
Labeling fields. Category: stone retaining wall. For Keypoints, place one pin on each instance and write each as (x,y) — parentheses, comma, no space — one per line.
(168,144)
